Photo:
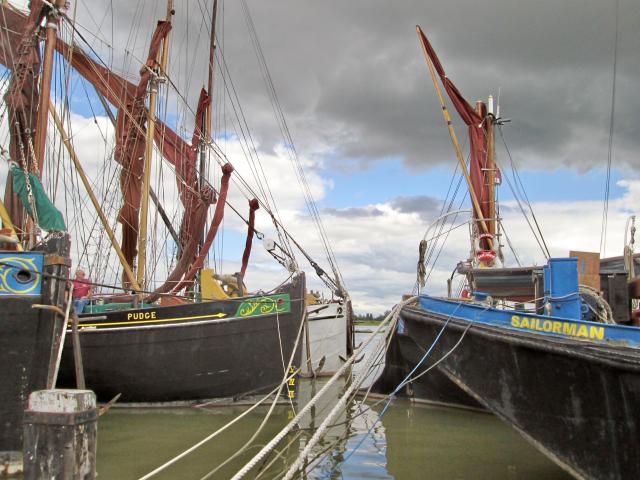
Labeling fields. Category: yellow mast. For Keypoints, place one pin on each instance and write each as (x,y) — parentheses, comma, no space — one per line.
(151,126)
(6,223)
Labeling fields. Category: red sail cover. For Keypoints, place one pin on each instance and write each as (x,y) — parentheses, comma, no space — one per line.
(253,206)
(477,132)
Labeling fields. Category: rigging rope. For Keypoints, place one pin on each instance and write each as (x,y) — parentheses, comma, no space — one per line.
(408,379)
(537,232)
(289,372)
(605,208)
(250,152)
(290,146)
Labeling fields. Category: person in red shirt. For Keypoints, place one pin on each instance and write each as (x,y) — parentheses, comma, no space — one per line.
(82,290)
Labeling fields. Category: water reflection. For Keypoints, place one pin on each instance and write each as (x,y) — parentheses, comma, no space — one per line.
(408,442)
(434,443)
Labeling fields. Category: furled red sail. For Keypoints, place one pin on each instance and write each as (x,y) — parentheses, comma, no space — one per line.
(130,148)
(121,93)
(184,158)
(218,215)
(477,133)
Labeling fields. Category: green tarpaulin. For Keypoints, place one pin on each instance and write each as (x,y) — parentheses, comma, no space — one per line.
(49,217)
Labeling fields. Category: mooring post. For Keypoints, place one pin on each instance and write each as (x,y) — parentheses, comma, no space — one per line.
(60,435)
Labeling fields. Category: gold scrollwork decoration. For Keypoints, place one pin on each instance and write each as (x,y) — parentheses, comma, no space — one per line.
(261,306)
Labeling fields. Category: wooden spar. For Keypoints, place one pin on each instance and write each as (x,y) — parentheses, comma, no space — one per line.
(164,216)
(92,197)
(207,121)
(151,126)
(164,59)
(454,139)
(208,118)
(146,182)
(212,59)
(45,85)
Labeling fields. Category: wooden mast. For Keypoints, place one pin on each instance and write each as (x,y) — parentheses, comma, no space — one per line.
(207,123)
(45,85)
(151,126)
(454,139)
(212,60)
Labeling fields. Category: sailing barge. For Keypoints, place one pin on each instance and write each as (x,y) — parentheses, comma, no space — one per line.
(182,340)
(553,351)
(190,352)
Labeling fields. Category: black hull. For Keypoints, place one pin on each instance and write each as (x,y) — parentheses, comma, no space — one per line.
(578,403)
(30,342)
(200,358)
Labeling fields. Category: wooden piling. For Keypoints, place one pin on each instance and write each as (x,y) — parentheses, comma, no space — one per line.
(60,435)
(10,464)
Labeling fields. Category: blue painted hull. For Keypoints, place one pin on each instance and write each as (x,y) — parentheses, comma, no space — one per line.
(546,326)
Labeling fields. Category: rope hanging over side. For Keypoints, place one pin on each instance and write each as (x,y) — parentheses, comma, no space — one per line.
(422,269)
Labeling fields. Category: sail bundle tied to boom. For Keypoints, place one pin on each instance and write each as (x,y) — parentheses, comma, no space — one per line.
(47,215)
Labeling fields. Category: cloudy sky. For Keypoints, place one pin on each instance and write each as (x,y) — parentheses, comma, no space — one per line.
(354,88)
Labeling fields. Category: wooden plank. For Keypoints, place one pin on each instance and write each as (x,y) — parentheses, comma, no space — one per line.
(588,268)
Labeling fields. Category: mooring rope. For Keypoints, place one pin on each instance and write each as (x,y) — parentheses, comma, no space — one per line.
(346,397)
(409,377)
(214,434)
(273,404)
(389,319)
(286,377)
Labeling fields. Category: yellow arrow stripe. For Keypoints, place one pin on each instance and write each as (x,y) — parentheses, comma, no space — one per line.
(158,320)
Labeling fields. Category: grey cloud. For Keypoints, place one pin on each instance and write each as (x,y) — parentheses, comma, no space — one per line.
(426,206)
(353,212)
(354,86)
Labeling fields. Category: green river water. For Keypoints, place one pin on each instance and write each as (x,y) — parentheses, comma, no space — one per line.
(409,441)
